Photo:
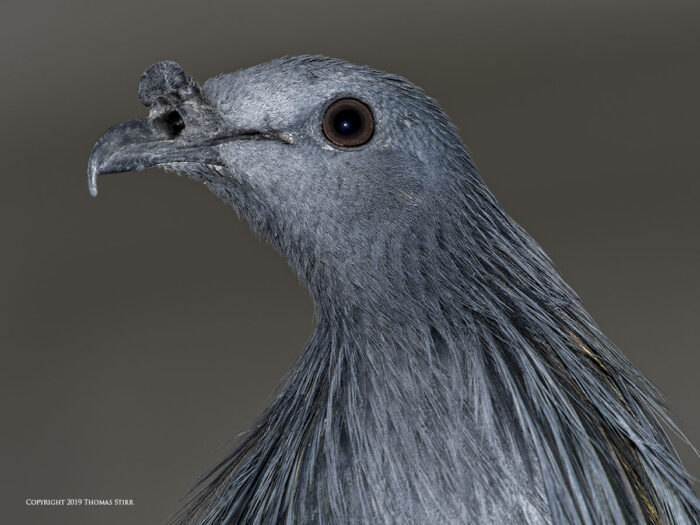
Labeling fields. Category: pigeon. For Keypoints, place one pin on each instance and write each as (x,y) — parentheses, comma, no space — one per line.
(452,375)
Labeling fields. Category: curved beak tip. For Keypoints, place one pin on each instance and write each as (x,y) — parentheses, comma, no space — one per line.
(92,183)
(92,173)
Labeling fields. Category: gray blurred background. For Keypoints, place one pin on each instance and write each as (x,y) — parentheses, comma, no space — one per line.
(143,330)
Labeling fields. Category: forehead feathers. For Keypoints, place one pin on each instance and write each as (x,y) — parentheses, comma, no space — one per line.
(290,93)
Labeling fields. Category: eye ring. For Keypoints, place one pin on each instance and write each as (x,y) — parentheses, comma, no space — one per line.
(348,122)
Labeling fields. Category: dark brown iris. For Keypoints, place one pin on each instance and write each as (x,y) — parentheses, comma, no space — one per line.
(348,122)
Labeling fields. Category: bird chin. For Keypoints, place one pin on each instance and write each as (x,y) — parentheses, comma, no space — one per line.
(203,172)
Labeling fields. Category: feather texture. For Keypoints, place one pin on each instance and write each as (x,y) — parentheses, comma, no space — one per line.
(453,376)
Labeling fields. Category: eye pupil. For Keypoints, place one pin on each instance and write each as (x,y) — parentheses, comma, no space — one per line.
(348,122)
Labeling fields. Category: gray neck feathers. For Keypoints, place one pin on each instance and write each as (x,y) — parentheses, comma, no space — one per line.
(467,385)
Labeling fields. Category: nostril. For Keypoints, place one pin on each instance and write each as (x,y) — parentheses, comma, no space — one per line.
(174,121)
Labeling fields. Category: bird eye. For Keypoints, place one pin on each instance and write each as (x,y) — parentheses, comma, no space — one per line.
(348,122)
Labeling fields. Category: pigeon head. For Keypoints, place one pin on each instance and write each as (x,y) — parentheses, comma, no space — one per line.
(452,376)
(333,163)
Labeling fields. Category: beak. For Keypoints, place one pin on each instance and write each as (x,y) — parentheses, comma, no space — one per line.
(181,128)
(144,143)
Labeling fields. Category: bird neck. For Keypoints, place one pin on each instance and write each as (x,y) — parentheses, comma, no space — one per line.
(456,370)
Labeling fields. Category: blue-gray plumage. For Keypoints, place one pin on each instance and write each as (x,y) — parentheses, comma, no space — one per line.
(453,376)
